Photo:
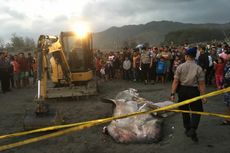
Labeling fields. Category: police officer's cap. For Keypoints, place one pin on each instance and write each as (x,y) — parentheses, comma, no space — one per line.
(191,52)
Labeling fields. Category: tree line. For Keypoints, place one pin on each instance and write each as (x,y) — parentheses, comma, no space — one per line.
(18,44)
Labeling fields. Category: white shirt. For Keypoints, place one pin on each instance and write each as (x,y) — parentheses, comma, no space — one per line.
(126,64)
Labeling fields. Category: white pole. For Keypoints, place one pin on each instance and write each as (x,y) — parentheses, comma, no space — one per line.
(39,89)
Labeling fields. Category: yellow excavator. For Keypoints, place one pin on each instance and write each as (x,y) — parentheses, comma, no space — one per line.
(68,61)
(65,69)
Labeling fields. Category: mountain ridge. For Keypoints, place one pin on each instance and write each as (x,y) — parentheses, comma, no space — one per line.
(152,32)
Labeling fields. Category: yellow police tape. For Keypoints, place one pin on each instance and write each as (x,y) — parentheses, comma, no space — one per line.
(84,125)
(200,113)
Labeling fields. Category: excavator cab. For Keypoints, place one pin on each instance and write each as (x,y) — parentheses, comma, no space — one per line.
(78,51)
(71,65)
(74,61)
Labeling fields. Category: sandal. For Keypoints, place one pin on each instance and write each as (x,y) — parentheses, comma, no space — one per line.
(225,123)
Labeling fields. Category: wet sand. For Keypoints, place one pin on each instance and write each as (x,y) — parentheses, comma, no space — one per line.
(213,138)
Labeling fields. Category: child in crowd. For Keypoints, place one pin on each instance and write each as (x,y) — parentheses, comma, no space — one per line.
(98,66)
(101,69)
(34,68)
(176,63)
(219,71)
(136,66)
(16,68)
(160,70)
(127,68)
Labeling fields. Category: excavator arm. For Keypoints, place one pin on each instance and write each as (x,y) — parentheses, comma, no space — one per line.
(50,45)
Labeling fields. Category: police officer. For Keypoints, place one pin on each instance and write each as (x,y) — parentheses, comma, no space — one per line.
(189,82)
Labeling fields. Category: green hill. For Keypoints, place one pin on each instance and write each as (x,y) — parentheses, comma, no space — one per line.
(193,35)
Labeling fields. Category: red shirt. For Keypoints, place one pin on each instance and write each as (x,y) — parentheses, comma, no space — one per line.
(22,64)
(98,64)
(219,69)
(15,66)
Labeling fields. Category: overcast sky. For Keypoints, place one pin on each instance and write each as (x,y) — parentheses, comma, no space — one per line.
(33,17)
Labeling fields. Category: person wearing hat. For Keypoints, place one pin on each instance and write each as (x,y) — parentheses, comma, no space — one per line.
(189,82)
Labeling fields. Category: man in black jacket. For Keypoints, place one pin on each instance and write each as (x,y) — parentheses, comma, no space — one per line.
(4,73)
(203,61)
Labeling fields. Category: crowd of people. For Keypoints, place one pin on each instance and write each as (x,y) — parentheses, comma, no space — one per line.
(158,64)
(17,71)
(149,65)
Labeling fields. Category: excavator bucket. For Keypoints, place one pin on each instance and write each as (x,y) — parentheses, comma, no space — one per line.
(43,116)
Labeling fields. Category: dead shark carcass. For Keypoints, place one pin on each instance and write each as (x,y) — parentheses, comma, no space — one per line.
(145,128)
